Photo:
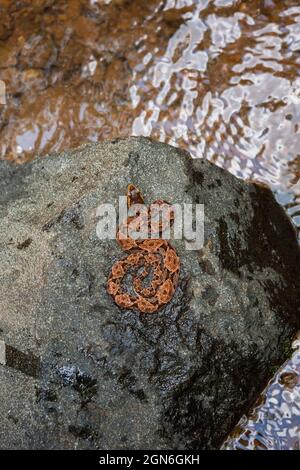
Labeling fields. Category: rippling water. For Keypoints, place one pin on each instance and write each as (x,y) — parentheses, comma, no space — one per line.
(218,77)
(227,87)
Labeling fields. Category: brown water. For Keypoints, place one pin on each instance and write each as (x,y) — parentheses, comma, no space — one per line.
(218,77)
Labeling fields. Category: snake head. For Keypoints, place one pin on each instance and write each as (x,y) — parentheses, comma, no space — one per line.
(134,196)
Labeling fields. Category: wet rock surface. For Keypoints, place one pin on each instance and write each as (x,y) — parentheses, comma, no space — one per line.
(111,378)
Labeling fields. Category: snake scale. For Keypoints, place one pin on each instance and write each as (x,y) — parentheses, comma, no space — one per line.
(151,266)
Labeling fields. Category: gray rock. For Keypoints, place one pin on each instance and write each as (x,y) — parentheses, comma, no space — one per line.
(113,379)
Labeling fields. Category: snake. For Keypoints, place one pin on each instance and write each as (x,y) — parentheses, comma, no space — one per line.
(152,266)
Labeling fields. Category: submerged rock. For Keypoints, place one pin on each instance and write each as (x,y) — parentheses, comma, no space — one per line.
(114,379)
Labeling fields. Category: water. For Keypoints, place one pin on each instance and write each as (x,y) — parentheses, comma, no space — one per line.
(220,78)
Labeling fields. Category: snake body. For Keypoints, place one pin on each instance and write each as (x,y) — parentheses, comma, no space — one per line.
(151,266)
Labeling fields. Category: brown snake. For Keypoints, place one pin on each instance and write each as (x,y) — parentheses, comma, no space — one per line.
(148,257)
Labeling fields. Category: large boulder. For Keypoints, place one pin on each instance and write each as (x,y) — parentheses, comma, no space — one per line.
(114,379)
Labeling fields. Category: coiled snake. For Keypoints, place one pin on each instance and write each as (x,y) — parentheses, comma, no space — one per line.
(152,265)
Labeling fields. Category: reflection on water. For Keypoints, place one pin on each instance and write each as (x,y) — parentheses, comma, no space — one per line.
(218,77)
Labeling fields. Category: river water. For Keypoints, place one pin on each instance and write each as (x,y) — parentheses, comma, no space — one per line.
(220,78)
